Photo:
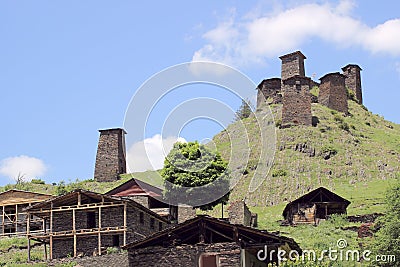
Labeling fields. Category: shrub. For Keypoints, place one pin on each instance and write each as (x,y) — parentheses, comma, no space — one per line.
(338,118)
(351,95)
(344,126)
(279,173)
(329,149)
(37,181)
(278,123)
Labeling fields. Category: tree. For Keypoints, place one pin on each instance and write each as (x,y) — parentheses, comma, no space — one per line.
(196,175)
(387,240)
(244,111)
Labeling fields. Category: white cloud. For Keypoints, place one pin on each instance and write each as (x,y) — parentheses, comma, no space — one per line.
(251,39)
(397,66)
(150,153)
(27,167)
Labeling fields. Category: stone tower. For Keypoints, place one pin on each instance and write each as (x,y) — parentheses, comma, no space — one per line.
(353,80)
(111,155)
(296,108)
(333,93)
(292,65)
(269,89)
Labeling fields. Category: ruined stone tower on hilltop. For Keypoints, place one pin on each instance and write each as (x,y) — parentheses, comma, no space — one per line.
(292,65)
(296,108)
(333,93)
(111,155)
(269,91)
(353,80)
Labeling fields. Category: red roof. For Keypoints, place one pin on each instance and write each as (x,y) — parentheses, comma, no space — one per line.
(135,187)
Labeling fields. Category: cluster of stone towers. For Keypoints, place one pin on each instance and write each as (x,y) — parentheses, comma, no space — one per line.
(111,155)
(293,90)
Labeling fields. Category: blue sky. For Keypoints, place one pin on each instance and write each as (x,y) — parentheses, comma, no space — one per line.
(69,68)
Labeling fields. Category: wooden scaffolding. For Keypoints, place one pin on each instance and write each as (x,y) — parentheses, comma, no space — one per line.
(48,211)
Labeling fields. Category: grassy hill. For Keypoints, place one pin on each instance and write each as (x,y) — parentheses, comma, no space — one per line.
(357,156)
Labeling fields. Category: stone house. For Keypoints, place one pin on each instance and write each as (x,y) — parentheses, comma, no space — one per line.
(86,223)
(152,198)
(315,206)
(207,242)
(13,219)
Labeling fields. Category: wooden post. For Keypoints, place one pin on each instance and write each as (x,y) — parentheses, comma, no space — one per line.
(51,231)
(45,245)
(79,199)
(326,211)
(4,212)
(28,222)
(29,249)
(74,230)
(16,218)
(125,223)
(99,234)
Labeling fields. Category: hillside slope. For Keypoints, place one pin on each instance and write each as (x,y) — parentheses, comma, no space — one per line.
(356,155)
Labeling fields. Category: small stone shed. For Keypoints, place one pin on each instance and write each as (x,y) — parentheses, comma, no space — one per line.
(86,223)
(13,219)
(207,242)
(315,206)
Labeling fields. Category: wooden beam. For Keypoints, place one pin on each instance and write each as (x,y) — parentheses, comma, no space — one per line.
(51,230)
(3,219)
(29,249)
(51,247)
(219,233)
(74,230)
(82,207)
(125,213)
(45,246)
(16,218)
(28,222)
(99,235)
(79,199)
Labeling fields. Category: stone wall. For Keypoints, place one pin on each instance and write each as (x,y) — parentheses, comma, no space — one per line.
(292,65)
(333,93)
(111,155)
(185,213)
(239,213)
(119,259)
(269,90)
(139,226)
(142,200)
(184,255)
(353,80)
(296,108)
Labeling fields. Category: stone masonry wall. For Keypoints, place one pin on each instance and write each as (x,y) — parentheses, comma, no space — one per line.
(140,229)
(239,213)
(111,217)
(353,80)
(269,89)
(292,65)
(184,255)
(333,93)
(185,213)
(296,108)
(111,156)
